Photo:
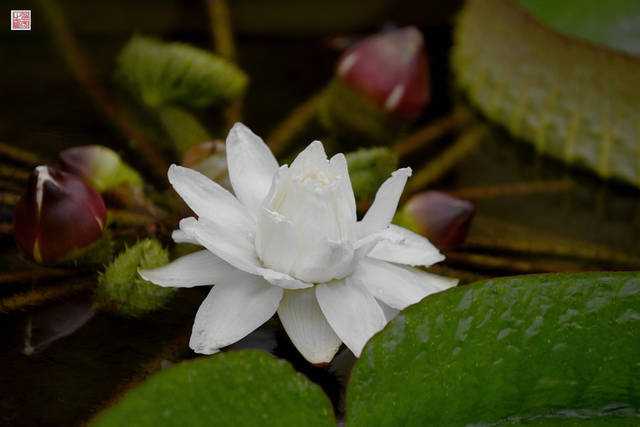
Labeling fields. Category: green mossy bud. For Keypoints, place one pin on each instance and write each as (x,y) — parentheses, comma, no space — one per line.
(121,289)
(369,168)
(175,73)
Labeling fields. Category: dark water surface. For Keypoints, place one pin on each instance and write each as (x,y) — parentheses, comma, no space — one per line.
(44,110)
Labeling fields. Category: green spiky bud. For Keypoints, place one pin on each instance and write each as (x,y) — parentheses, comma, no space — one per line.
(369,168)
(122,290)
(176,73)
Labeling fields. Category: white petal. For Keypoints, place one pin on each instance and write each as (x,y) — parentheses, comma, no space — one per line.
(307,327)
(384,205)
(232,311)
(276,241)
(312,157)
(402,246)
(352,312)
(251,166)
(389,313)
(179,236)
(208,199)
(324,260)
(344,198)
(281,279)
(196,269)
(238,250)
(398,286)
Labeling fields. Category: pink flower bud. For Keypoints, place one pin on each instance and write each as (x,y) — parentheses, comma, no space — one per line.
(58,216)
(99,166)
(390,69)
(441,218)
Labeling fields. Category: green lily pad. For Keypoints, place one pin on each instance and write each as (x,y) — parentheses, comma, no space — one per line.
(612,23)
(553,349)
(561,75)
(247,388)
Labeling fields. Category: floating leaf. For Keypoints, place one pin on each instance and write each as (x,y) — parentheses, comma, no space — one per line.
(369,168)
(613,23)
(550,349)
(122,290)
(244,388)
(161,73)
(575,100)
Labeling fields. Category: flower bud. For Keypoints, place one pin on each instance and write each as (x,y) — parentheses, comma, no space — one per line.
(99,166)
(441,218)
(381,85)
(58,217)
(390,69)
(120,288)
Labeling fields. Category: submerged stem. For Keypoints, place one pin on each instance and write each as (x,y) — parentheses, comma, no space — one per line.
(432,132)
(516,189)
(464,145)
(19,156)
(41,296)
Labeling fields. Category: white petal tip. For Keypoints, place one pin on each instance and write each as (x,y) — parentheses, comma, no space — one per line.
(403,172)
(143,274)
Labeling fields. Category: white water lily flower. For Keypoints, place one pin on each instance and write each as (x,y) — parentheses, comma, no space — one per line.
(289,241)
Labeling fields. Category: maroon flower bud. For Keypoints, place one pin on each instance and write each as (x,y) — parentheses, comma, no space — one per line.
(58,216)
(390,69)
(441,218)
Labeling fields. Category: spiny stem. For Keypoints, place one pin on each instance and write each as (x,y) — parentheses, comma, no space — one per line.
(432,132)
(224,46)
(513,265)
(9,199)
(466,143)
(12,173)
(123,218)
(498,235)
(41,296)
(11,187)
(582,250)
(19,156)
(6,229)
(220,25)
(283,136)
(85,75)
(36,275)
(517,189)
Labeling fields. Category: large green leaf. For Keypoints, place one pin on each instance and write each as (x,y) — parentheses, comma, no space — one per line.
(543,349)
(574,100)
(612,23)
(247,388)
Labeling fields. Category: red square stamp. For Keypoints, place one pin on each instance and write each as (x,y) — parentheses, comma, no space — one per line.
(20,20)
